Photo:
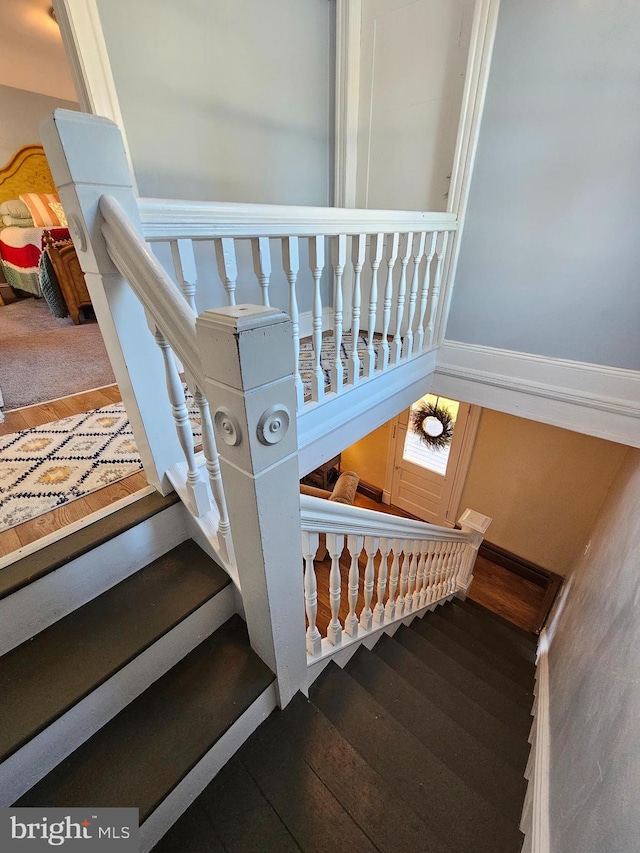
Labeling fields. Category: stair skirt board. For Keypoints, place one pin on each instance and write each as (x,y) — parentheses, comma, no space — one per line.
(43,752)
(38,605)
(192,785)
(535,813)
(350,647)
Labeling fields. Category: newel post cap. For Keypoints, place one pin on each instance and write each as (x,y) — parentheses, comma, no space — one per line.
(472,520)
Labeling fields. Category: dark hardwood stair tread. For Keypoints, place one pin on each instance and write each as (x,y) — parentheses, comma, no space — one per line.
(481,769)
(47,675)
(148,748)
(450,808)
(478,665)
(485,634)
(527,641)
(191,833)
(514,715)
(454,703)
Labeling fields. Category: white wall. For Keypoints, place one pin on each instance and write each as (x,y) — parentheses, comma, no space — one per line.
(225,99)
(22,113)
(550,254)
(595,685)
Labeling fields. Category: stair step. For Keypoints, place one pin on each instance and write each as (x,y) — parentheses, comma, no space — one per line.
(455,704)
(479,666)
(191,833)
(522,673)
(46,676)
(374,805)
(481,769)
(140,756)
(310,812)
(525,641)
(450,808)
(514,715)
(485,634)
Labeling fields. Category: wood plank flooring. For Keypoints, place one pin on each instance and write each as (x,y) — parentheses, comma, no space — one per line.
(20,419)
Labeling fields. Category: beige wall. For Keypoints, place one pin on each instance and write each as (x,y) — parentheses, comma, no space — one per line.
(368,457)
(542,486)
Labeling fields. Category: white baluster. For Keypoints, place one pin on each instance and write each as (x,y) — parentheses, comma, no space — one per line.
(383,353)
(309,549)
(227,266)
(335,544)
(417,592)
(428,548)
(379,611)
(437,278)
(359,247)
(262,265)
(396,346)
(291,265)
(404,575)
(354,546)
(453,575)
(424,294)
(445,556)
(366,614)
(316,262)
(212,461)
(339,258)
(197,493)
(411,580)
(407,344)
(390,609)
(184,263)
(377,248)
(433,573)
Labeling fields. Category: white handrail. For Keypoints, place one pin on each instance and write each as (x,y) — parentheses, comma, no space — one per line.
(168,219)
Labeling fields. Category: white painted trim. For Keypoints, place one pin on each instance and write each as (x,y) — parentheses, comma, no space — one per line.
(535,818)
(204,771)
(86,49)
(590,398)
(485,23)
(41,754)
(347,96)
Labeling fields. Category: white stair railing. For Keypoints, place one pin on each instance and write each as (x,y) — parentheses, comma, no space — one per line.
(409,565)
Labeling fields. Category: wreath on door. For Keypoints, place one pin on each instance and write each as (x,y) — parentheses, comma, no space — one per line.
(433,424)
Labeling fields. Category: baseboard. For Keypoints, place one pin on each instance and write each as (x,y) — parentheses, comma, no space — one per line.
(369,491)
(589,398)
(535,816)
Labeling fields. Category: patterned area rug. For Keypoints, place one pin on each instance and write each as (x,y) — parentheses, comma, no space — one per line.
(327,356)
(47,466)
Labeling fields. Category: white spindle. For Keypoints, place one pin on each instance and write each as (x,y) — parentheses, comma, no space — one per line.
(366,615)
(404,575)
(407,344)
(309,548)
(424,588)
(339,258)
(227,266)
(291,264)
(197,493)
(424,294)
(261,252)
(184,263)
(396,346)
(390,609)
(379,612)
(316,262)
(335,544)
(377,248)
(354,546)
(417,592)
(411,580)
(457,557)
(437,279)
(359,246)
(433,572)
(383,354)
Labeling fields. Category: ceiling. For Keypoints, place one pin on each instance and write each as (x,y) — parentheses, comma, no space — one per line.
(33,56)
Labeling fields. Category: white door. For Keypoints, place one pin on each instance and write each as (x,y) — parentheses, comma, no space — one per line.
(428,482)
(412,68)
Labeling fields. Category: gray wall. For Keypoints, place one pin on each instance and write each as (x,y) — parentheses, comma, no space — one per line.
(22,113)
(595,685)
(550,254)
(225,99)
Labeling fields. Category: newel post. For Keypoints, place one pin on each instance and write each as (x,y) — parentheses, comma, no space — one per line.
(87,159)
(475,524)
(247,357)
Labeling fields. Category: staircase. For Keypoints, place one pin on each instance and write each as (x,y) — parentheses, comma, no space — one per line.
(418,745)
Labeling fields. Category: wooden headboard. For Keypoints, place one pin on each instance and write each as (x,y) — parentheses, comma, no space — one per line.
(27,171)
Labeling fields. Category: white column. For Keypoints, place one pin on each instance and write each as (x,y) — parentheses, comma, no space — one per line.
(87,159)
(475,524)
(248,362)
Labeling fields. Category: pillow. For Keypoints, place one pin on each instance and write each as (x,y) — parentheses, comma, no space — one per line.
(20,223)
(16,208)
(56,207)
(38,204)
